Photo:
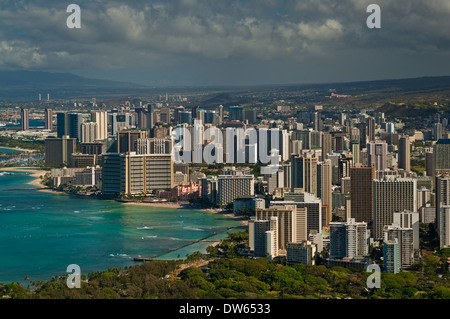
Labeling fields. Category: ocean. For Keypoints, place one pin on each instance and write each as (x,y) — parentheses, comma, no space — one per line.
(42,233)
(9,151)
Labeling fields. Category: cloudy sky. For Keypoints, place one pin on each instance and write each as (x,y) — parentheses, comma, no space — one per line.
(227,42)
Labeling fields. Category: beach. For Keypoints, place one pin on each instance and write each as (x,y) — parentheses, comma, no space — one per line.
(34,172)
(243,221)
(18,149)
(156,204)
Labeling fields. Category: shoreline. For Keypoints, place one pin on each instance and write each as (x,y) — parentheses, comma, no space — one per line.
(34,172)
(156,204)
(18,149)
(243,221)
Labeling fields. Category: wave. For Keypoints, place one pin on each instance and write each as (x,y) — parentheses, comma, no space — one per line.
(145,227)
(8,207)
(177,239)
(193,228)
(120,255)
(149,237)
(6,173)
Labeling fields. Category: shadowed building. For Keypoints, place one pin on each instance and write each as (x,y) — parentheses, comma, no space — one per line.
(361,192)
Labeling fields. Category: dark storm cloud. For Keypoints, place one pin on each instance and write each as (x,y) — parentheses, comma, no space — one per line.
(279,40)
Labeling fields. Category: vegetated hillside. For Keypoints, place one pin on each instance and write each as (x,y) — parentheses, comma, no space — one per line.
(223,274)
(406,110)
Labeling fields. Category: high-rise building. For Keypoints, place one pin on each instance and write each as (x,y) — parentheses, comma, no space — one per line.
(429,163)
(324,191)
(250,116)
(95,148)
(377,154)
(301,253)
(197,138)
(220,114)
(236,114)
(390,127)
(118,122)
(345,162)
(442,184)
(391,194)
(286,222)
(316,119)
(283,145)
(441,154)
(362,134)
(231,187)
(25,119)
(261,237)
(151,116)
(327,145)
(348,239)
(177,114)
(404,156)
(339,140)
(405,239)
(126,140)
(48,119)
(185,117)
(444,227)
(62,128)
(133,174)
(210,117)
(153,146)
(164,115)
(310,174)
(196,112)
(141,119)
(371,129)
(58,151)
(313,207)
(75,120)
(88,132)
(113,170)
(391,256)
(304,172)
(101,118)
(437,131)
(410,220)
(356,151)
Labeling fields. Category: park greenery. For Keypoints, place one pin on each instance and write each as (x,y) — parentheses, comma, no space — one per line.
(21,143)
(224,273)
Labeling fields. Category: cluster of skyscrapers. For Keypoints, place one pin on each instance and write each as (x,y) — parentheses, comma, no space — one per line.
(340,184)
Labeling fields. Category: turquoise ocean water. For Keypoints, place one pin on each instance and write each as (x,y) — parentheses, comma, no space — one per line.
(9,151)
(42,233)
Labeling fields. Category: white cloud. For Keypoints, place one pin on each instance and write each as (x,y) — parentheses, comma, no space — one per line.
(119,34)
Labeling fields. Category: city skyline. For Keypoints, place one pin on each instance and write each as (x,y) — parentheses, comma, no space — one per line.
(289,149)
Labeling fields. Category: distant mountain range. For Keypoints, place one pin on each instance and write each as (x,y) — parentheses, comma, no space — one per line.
(39,79)
(24,86)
